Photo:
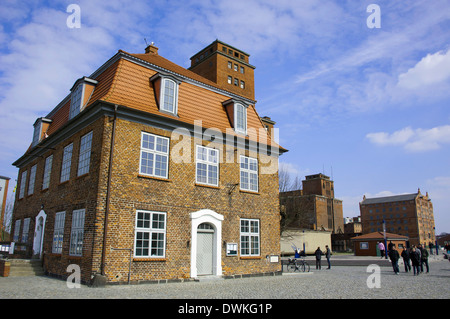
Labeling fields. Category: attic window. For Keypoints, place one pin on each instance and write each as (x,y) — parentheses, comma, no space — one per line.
(81,91)
(40,127)
(166,92)
(237,114)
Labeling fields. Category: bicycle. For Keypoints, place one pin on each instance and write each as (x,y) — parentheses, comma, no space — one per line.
(297,264)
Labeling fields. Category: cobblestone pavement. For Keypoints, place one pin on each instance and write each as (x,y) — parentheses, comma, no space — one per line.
(339,282)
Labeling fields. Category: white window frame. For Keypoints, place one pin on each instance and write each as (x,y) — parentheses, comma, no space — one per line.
(76,98)
(77,233)
(23,181)
(66,163)
(250,236)
(58,232)
(154,152)
(204,157)
(84,159)
(32,180)
(150,228)
(240,118)
(17,230)
(249,174)
(47,172)
(174,105)
(25,230)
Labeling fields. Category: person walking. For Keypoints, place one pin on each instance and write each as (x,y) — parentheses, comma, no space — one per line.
(415,260)
(328,255)
(381,248)
(394,257)
(318,254)
(424,260)
(406,259)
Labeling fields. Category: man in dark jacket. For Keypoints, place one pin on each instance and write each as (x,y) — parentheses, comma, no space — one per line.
(318,254)
(424,259)
(394,256)
(415,260)
(328,255)
(405,256)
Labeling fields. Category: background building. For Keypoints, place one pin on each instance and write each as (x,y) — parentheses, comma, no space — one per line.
(409,214)
(312,208)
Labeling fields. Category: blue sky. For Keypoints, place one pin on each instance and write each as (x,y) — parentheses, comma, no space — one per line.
(369,106)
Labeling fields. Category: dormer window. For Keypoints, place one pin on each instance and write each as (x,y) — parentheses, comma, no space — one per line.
(237,114)
(166,91)
(40,128)
(81,92)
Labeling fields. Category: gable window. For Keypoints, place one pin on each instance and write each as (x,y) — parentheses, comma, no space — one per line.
(77,233)
(58,233)
(207,166)
(150,234)
(249,237)
(240,113)
(66,163)
(169,95)
(85,154)
(249,174)
(32,180)
(23,180)
(47,172)
(154,155)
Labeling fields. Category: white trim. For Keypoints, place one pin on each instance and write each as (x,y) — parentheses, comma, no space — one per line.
(175,95)
(215,219)
(38,241)
(155,152)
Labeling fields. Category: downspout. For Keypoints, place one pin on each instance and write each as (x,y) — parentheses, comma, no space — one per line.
(108,192)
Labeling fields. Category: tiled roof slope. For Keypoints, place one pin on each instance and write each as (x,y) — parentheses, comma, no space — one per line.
(379,236)
(126,82)
(388,199)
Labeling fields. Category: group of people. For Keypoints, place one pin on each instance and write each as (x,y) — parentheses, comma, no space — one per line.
(318,253)
(415,256)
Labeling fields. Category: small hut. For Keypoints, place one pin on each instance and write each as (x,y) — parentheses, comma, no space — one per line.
(367,244)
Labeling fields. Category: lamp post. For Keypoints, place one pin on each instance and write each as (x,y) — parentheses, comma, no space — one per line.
(384,235)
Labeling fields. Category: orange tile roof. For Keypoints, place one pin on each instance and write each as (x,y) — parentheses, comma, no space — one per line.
(379,236)
(126,82)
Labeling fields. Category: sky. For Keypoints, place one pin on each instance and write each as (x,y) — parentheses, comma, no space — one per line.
(359,90)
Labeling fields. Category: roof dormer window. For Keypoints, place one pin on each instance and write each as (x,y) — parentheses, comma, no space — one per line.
(237,114)
(81,92)
(166,91)
(40,129)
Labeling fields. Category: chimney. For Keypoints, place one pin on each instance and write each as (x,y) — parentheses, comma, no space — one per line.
(151,49)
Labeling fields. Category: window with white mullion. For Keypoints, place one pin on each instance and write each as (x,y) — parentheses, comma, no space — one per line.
(25,230)
(249,173)
(154,159)
(150,234)
(58,233)
(250,241)
(169,96)
(77,233)
(207,166)
(23,180)
(240,120)
(66,163)
(85,154)
(32,180)
(75,101)
(47,172)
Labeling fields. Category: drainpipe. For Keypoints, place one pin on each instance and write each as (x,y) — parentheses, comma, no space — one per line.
(108,192)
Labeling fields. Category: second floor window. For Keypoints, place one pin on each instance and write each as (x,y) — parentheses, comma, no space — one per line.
(154,159)
(23,180)
(66,163)
(207,166)
(47,172)
(249,174)
(85,154)
(32,180)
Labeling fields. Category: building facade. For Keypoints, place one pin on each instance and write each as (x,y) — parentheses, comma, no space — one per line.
(410,215)
(148,171)
(314,206)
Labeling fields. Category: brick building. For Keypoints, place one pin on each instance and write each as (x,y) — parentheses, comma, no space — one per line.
(149,170)
(314,206)
(410,215)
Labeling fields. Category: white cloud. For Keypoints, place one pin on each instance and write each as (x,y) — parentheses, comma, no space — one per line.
(431,70)
(414,140)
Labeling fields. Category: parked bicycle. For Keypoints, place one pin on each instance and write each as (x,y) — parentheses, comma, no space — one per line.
(297,265)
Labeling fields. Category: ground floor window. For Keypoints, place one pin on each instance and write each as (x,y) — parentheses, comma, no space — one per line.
(77,233)
(250,237)
(150,234)
(58,232)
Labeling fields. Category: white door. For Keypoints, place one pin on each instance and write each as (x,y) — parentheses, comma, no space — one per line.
(205,249)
